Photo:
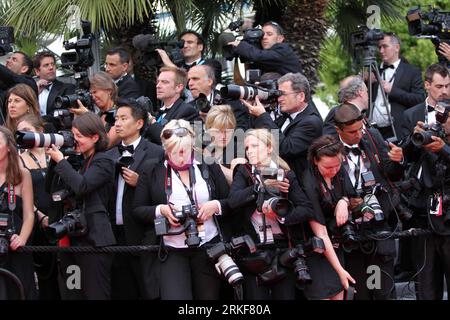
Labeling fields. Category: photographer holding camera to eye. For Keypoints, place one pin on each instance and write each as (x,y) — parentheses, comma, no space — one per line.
(370,165)
(88,223)
(270,207)
(272,54)
(176,202)
(427,150)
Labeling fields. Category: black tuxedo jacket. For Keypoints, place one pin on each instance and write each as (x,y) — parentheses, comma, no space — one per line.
(410,118)
(242,201)
(328,123)
(407,91)
(128,88)
(58,89)
(179,110)
(94,187)
(145,151)
(296,139)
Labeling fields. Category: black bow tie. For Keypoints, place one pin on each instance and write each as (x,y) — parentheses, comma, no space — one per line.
(188,66)
(384,67)
(287,116)
(430,108)
(123,148)
(356,150)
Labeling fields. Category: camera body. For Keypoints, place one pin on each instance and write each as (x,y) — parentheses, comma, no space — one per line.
(6,231)
(364,42)
(147,45)
(434,25)
(82,58)
(72,224)
(70,101)
(187,217)
(6,39)
(295,258)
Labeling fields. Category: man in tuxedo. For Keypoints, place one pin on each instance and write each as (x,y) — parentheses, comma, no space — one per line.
(368,160)
(352,90)
(18,69)
(437,85)
(401,82)
(117,62)
(299,126)
(275,55)
(128,278)
(201,79)
(169,86)
(49,87)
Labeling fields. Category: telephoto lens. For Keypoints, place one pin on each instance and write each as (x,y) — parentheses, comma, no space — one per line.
(30,140)
(226,266)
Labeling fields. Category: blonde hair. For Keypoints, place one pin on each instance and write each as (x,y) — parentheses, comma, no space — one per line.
(175,141)
(266,137)
(102,80)
(220,117)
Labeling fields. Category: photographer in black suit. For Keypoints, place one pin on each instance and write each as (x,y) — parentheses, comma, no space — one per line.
(49,87)
(186,199)
(274,56)
(402,83)
(130,155)
(92,188)
(428,166)
(117,62)
(300,124)
(369,164)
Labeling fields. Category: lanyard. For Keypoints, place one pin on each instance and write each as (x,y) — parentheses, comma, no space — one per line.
(189,191)
(11,197)
(357,172)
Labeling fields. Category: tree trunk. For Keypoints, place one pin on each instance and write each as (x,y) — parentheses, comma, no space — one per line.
(305,27)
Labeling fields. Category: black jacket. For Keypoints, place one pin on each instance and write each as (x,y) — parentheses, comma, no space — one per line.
(242,201)
(9,79)
(407,91)
(145,151)
(279,58)
(128,88)
(58,89)
(297,137)
(410,118)
(94,187)
(179,110)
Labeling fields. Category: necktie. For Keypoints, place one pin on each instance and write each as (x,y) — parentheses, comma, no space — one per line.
(356,151)
(123,148)
(430,108)
(287,116)
(188,66)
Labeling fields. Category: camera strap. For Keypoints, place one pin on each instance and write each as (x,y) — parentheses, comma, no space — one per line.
(357,172)
(11,197)
(190,191)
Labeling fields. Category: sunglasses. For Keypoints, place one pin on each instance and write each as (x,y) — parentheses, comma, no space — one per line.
(349,122)
(179,132)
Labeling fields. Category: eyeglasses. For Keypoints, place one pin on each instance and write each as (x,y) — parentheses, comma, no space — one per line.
(349,122)
(179,132)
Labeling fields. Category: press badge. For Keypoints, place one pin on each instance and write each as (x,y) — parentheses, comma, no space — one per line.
(269,234)
(436,205)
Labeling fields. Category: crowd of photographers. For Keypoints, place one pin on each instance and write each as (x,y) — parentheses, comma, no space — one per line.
(244,188)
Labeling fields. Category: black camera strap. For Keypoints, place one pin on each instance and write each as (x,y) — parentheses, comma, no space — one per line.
(11,197)
(190,191)
(357,173)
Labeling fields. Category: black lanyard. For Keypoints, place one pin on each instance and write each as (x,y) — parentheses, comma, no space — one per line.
(189,191)
(357,172)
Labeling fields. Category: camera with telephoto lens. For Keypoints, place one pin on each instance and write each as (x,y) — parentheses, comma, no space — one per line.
(434,25)
(147,45)
(70,101)
(295,258)
(186,217)
(271,200)
(436,129)
(221,254)
(6,231)
(249,92)
(370,202)
(6,39)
